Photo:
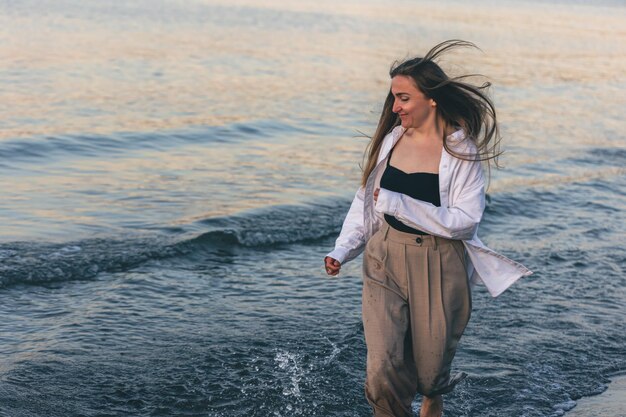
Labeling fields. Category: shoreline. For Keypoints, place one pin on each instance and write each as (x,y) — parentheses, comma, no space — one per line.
(610,403)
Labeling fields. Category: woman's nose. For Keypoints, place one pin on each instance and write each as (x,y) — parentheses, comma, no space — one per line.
(396,108)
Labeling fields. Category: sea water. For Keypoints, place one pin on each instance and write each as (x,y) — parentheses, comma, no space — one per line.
(173,174)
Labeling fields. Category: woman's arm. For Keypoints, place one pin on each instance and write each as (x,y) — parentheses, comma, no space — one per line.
(351,240)
(458,221)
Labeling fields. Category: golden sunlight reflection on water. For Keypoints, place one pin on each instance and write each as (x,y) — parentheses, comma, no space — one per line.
(79,72)
(77,77)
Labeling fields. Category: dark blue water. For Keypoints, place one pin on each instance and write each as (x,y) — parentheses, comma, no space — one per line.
(241,321)
(174,173)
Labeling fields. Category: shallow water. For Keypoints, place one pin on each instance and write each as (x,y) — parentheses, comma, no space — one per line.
(175,172)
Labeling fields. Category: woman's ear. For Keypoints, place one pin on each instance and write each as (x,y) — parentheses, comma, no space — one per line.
(433,103)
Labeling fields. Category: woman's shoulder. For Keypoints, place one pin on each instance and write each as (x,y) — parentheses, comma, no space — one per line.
(395,133)
(389,140)
(461,144)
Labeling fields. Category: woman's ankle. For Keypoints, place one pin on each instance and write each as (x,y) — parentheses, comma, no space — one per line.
(432,406)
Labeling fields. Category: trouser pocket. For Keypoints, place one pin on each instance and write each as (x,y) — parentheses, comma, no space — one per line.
(374,257)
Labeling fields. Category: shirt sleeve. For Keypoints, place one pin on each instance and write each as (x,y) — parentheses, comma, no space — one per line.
(351,240)
(459,221)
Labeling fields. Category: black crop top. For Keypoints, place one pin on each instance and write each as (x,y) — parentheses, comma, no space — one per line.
(419,185)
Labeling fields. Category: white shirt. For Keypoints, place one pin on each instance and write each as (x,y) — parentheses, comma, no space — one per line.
(462,195)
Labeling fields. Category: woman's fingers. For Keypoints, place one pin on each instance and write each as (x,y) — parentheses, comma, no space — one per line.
(376,191)
(332,266)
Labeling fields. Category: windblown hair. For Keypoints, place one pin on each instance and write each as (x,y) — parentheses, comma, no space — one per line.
(459,105)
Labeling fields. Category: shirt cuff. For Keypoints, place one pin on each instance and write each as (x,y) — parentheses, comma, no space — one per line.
(387,202)
(339,253)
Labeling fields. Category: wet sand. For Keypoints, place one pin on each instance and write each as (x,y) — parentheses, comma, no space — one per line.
(611,403)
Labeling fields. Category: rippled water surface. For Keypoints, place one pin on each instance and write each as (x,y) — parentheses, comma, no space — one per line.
(174,172)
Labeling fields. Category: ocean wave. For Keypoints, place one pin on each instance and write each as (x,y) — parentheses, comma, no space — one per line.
(278,224)
(36,262)
(44,147)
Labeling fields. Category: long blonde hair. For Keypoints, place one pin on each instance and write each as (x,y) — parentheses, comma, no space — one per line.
(459,104)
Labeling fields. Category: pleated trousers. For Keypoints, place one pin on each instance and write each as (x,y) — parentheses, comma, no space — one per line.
(416,304)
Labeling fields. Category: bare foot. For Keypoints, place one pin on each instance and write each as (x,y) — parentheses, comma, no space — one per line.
(432,407)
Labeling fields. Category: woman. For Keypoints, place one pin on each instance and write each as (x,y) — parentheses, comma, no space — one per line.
(416,216)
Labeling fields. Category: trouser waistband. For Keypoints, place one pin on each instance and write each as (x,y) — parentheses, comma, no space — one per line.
(394,235)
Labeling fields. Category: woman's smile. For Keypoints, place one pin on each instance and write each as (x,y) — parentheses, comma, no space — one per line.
(413,107)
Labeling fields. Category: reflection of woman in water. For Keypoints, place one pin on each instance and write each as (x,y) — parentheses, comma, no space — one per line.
(416,215)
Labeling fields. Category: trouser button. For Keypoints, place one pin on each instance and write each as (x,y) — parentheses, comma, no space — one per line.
(418,240)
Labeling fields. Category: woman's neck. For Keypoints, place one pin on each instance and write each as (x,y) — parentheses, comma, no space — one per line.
(428,132)
(421,134)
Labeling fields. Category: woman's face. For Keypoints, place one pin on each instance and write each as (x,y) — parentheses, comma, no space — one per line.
(413,107)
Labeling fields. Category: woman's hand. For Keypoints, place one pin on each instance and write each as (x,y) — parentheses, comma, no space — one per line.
(332,266)
(376,191)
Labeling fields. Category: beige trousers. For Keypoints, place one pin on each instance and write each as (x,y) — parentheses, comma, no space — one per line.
(416,304)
